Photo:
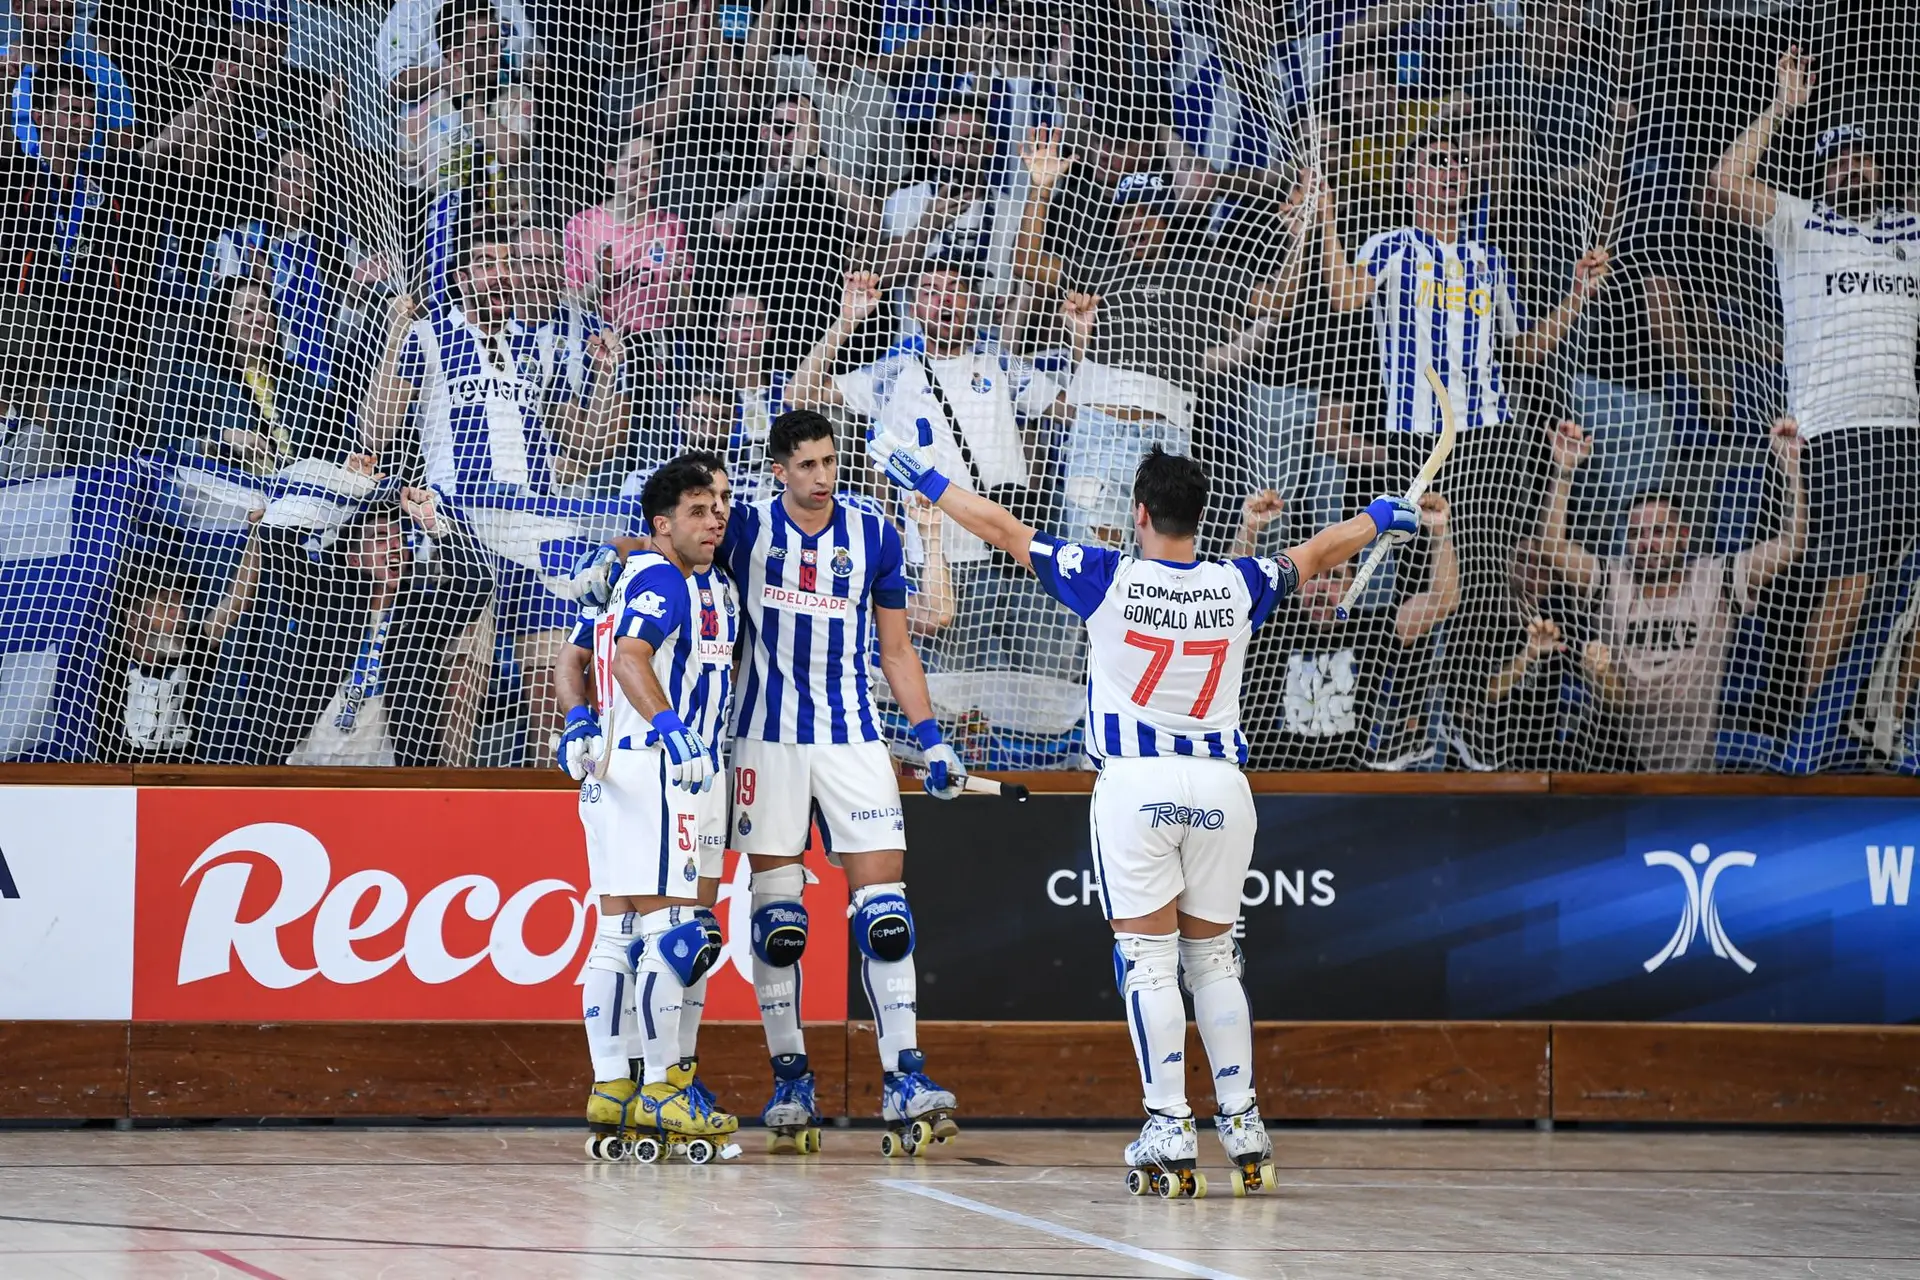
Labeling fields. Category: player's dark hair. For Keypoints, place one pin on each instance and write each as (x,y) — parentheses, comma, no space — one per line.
(1173,488)
(53,78)
(703,458)
(480,234)
(794,428)
(1667,496)
(668,485)
(451,22)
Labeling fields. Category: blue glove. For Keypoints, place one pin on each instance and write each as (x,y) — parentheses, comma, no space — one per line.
(946,777)
(694,766)
(593,574)
(581,743)
(905,467)
(1396,518)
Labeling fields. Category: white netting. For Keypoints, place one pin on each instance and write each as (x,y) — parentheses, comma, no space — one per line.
(242,243)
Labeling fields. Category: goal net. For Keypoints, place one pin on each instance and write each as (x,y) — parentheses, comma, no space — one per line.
(333,333)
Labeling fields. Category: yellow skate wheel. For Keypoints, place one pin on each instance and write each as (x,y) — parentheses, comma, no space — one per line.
(1267,1178)
(1240,1187)
(890,1145)
(807,1141)
(1139,1182)
(1197,1189)
(780,1144)
(919,1136)
(1163,1184)
(648,1150)
(699,1151)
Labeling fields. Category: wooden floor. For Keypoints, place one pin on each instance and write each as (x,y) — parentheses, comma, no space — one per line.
(299,1203)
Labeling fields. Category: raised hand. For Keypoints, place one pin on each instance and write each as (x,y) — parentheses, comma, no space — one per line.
(1591,270)
(1435,513)
(1786,442)
(1396,518)
(860,296)
(1261,509)
(905,466)
(1793,82)
(1045,158)
(593,574)
(1543,639)
(1571,445)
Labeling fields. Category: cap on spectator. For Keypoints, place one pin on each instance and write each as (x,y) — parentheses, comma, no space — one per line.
(1143,189)
(1834,140)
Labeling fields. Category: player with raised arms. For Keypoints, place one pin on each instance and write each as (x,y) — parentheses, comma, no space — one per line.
(663,665)
(607,993)
(1172,817)
(819,575)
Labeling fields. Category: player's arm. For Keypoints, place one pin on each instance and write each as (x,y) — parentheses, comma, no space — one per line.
(1776,553)
(1419,615)
(1338,543)
(899,662)
(1541,340)
(1349,284)
(391,390)
(653,608)
(589,433)
(1577,566)
(1732,188)
(581,741)
(813,385)
(982,517)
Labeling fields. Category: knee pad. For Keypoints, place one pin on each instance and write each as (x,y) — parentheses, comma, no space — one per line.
(677,940)
(1205,961)
(617,946)
(780,933)
(711,924)
(882,922)
(1145,961)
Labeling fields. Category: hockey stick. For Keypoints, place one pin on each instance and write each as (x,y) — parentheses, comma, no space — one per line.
(1449,428)
(971,782)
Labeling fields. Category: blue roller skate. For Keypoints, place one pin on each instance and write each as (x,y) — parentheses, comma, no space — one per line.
(793,1123)
(917,1112)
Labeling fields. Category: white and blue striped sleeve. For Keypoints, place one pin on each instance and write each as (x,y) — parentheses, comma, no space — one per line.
(888,568)
(1269,579)
(656,606)
(1379,252)
(581,637)
(1074,574)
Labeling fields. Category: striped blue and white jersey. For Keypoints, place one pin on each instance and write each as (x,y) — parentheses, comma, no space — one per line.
(1167,644)
(692,623)
(480,406)
(1447,307)
(809,600)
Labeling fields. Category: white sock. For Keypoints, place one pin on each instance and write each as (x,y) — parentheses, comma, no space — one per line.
(660,999)
(778,989)
(1226,1023)
(693,1006)
(606,997)
(1156,1016)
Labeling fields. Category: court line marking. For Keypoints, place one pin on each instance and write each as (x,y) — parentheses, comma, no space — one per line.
(1055,1229)
(238,1264)
(1078,1176)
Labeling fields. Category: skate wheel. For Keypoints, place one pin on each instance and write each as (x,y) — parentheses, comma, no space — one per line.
(1139,1182)
(699,1151)
(891,1146)
(919,1136)
(1164,1185)
(1239,1184)
(593,1146)
(648,1150)
(1197,1189)
(778,1144)
(807,1141)
(1267,1178)
(945,1129)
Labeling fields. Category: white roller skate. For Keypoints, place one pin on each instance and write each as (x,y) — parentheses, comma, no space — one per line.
(611,1128)
(1244,1136)
(1163,1159)
(793,1125)
(677,1120)
(917,1112)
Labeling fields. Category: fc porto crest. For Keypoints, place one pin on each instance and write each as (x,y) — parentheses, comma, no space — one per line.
(842,562)
(982,384)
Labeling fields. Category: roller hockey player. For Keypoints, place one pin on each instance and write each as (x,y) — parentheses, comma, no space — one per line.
(1173,820)
(813,568)
(656,821)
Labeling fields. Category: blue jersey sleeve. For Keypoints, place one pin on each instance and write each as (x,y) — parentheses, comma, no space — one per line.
(581,637)
(1269,581)
(887,573)
(1074,574)
(412,365)
(655,606)
(743,530)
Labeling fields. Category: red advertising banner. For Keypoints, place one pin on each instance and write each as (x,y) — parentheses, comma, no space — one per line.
(399,905)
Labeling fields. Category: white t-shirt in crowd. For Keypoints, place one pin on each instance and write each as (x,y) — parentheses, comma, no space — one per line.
(1850,296)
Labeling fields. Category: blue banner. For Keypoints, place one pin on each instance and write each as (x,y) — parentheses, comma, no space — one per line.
(1756,909)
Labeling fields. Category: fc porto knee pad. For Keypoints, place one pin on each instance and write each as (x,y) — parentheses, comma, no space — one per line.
(711,924)
(1205,961)
(779,921)
(676,939)
(882,921)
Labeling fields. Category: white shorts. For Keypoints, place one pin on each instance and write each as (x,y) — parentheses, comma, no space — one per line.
(778,785)
(1172,829)
(653,839)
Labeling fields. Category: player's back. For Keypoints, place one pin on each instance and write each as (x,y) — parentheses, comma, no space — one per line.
(1168,646)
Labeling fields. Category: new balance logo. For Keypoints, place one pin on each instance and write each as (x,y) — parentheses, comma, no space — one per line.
(1224,1072)
(10,890)
(1175,1056)
(1889,873)
(1700,914)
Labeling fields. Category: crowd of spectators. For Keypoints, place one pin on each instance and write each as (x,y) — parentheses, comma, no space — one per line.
(261,239)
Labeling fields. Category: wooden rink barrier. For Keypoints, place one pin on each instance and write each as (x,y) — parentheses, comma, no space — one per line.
(1034,1071)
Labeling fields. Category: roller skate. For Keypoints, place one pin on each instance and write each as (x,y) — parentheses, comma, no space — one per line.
(793,1126)
(611,1128)
(1163,1159)
(675,1120)
(917,1112)
(1244,1136)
